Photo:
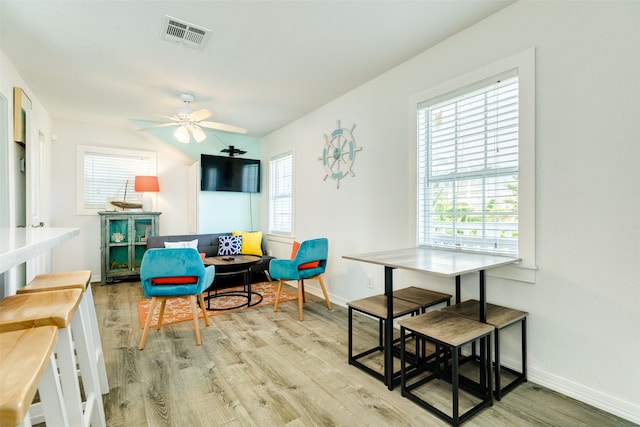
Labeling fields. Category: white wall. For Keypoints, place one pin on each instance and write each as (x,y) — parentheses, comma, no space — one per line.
(13,181)
(216,208)
(83,252)
(584,316)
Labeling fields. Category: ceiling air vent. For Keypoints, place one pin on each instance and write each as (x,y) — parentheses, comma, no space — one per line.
(184,33)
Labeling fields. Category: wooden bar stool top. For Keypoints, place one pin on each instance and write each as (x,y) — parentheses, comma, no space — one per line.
(498,316)
(39,309)
(377,306)
(80,279)
(24,354)
(57,281)
(446,327)
(422,296)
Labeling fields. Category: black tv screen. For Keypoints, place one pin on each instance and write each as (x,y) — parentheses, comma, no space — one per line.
(220,173)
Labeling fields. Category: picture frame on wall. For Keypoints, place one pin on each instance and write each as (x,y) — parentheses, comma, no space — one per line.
(21,104)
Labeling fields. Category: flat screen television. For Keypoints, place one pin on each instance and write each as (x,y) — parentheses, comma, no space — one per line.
(220,173)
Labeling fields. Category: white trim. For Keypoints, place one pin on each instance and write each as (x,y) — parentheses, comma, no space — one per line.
(608,403)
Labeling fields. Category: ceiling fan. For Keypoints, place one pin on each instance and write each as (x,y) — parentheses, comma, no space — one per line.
(190,122)
(233,151)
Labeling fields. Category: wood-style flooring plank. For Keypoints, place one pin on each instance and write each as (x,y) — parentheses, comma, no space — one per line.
(260,368)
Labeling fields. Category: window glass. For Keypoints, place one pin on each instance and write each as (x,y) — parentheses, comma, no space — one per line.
(281,194)
(107,173)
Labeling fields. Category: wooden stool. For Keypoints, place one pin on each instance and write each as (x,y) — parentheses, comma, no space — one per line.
(424,297)
(60,308)
(376,306)
(28,364)
(499,317)
(451,332)
(76,280)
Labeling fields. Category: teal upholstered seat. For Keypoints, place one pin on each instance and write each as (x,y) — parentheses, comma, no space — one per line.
(293,269)
(174,272)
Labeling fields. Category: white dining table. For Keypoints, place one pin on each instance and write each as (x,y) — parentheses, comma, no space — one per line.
(439,262)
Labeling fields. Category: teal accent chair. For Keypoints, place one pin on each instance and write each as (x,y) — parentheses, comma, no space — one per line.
(310,251)
(170,273)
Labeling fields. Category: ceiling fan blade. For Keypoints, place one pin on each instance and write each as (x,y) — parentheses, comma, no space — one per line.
(201,114)
(222,126)
(172,118)
(162,125)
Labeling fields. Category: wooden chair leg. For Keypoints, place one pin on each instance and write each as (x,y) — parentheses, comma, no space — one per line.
(275,306)
(204,310)
(324,291)
(152,308)
(163,304)
(300,298)
(194,313)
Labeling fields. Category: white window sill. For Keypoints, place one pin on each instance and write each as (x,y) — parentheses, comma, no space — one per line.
(518,272)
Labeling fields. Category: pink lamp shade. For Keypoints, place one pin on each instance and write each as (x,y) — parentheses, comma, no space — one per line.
(144,184)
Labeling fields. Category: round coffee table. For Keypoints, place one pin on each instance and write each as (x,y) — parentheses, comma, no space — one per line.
(232,265)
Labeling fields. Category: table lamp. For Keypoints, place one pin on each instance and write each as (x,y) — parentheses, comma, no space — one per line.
(146,185)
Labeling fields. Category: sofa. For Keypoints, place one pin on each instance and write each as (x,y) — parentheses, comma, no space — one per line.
(209,245)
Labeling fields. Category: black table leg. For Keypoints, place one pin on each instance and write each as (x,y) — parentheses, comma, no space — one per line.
(483,298)
(458,289)
(388,328)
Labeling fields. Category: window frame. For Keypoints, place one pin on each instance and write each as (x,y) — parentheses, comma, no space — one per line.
(82,150)
(524,63)
(273,187)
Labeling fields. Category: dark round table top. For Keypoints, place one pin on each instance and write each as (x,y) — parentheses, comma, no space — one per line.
(232,260)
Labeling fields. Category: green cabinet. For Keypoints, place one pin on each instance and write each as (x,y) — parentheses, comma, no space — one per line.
(124,241)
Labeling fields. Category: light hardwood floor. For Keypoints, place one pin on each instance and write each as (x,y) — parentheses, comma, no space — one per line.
(260,368)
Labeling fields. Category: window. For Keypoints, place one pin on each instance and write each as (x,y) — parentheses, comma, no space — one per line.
(281,194)
(107,173)
(468,168)
(472,194)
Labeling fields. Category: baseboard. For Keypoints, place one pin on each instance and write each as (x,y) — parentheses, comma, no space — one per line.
(611,404)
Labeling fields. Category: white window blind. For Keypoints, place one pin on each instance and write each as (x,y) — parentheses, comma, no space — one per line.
(108,173)
(281,194)
(468,168)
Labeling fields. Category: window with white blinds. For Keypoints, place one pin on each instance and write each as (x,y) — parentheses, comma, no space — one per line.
(108,173)
(468,168)
(281,194)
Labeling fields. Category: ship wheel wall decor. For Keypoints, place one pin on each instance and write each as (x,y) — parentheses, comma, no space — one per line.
(339,154)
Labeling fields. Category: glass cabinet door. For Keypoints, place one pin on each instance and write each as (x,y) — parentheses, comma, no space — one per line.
(143,227)
(124,242)
(118,237)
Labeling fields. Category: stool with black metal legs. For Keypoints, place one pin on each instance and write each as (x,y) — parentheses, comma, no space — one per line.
(425,297)
(376,306)
(499,317)
(449,332)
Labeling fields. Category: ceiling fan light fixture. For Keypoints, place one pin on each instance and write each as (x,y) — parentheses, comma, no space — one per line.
(182,134)
(198,134)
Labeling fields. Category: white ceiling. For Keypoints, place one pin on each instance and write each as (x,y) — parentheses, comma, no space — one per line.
(266,63)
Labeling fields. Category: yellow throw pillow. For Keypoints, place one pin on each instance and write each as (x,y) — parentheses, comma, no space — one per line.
(251,242)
